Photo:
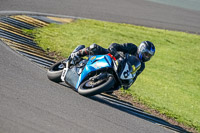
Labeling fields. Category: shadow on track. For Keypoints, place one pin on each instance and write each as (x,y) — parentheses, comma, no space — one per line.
(130,109)
(138,113)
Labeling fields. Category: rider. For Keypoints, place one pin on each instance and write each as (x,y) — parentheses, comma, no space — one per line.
(143,53)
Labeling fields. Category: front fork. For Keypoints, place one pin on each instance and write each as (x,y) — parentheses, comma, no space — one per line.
(64,72)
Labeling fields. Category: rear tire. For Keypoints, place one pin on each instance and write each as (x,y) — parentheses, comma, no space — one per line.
(55,71)
(98,89)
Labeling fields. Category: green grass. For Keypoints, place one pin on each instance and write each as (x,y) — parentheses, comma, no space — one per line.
(171,80)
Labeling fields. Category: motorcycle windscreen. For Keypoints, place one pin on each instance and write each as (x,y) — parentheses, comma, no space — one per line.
(95,63)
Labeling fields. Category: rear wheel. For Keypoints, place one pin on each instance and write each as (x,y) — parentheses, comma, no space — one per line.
(55,71)
(90,87)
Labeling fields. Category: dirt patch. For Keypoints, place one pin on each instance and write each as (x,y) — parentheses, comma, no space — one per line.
(57,56)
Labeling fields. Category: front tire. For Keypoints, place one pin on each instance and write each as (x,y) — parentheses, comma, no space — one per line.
(55,71)
(85,91)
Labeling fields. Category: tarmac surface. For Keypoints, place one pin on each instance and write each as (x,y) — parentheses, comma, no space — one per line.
(139,12)
(29,102)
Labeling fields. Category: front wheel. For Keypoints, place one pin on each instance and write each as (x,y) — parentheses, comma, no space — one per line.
(90,88)
(55,71)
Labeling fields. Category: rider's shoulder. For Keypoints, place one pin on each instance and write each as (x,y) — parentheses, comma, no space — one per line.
(132,44)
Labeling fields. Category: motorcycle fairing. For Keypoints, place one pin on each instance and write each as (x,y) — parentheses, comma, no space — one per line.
(94,63)
(126,73)
(72,76)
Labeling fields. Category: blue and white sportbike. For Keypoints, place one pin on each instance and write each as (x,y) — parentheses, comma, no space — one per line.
(97,74)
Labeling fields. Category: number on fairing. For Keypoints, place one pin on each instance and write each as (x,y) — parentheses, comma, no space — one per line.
(126,73)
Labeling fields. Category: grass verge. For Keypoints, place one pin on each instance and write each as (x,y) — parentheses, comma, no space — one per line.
(171,80)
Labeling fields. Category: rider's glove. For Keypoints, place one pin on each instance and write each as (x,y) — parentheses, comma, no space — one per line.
(113,52)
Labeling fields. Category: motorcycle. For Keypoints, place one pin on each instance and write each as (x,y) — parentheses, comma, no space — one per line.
(97,74)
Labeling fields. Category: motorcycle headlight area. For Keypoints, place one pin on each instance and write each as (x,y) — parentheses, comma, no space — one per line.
(128,72)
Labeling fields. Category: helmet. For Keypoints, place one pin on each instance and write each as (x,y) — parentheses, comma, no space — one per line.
(145,51)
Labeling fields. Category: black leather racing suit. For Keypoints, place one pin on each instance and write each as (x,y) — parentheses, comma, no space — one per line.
(116,50)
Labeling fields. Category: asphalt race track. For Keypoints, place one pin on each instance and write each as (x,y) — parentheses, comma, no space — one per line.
(29,102)
(138,12)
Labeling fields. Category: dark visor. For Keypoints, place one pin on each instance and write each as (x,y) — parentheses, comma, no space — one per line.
(147,55)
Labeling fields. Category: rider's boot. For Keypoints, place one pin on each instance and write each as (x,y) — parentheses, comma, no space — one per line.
(79,47)
(74,55)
